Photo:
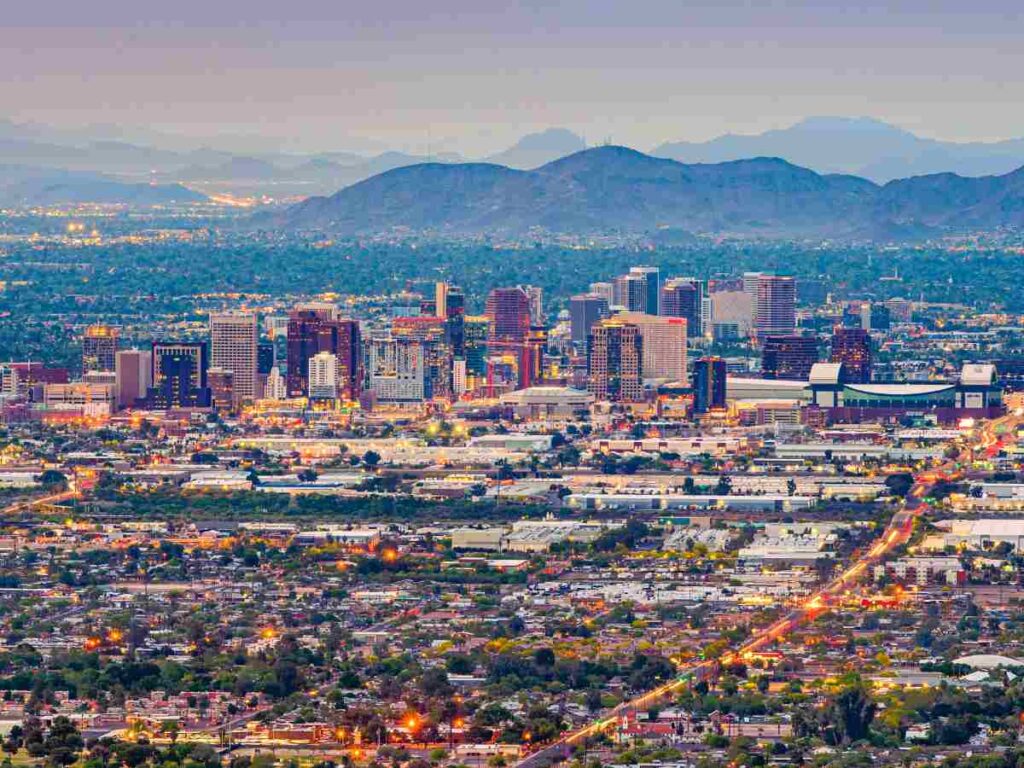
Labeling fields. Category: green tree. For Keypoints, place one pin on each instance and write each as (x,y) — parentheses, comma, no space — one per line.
(434,683)
(53,480)
(899,484)
(63,742)
(848,715)
(724,486)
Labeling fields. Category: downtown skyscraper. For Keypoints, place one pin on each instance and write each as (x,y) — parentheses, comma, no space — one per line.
(615,362)
(99,348)
(775,313)
(234,340)
(314,329)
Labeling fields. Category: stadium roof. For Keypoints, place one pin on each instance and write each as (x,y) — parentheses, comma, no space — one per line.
(899,390)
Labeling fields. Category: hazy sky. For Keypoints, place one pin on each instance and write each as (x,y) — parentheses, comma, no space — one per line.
(472,75)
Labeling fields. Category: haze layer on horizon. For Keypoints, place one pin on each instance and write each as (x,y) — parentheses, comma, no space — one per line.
(473,75)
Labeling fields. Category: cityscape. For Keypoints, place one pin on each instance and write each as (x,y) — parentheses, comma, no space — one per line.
(522,385)
(677,520)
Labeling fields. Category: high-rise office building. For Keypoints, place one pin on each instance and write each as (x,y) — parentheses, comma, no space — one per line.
(222,389)
(687,297)
(776,306)
(398,370)
(614,362)
(536,296)
(99,348)
(664,345)
(179,377)
(788,357)
(584,310)
(477,330)
(709,384)
(234,342)
(266,361)
(350,359)
(652,288)
(454,314)
(460,381)
(275,387)
(441,299)
(852,348)
(432,335)
(509,311)
(750,283)
(311,331)
(630,292)
(323,376)
(133,369)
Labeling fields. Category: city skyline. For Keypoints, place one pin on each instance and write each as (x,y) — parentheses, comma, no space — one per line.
(405,385)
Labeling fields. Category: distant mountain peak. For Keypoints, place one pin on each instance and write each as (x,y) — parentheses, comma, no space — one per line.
(843,123)
(536,149)
(551,139)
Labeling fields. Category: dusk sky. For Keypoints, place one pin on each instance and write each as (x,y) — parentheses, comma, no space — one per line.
(473,75)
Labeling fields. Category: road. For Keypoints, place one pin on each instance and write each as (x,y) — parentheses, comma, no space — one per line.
(895,534)
(24,506)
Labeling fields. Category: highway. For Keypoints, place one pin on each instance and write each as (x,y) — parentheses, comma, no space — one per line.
(895,534)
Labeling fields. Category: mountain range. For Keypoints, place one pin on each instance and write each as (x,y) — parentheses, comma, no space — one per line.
(861,146)
(617,190)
